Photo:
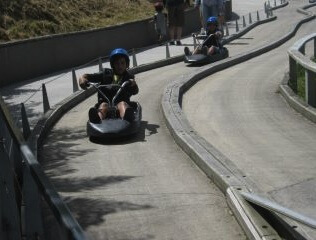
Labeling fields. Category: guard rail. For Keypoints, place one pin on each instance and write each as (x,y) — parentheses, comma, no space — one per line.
(297,58)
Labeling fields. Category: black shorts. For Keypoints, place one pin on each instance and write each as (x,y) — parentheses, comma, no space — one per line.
(176,15)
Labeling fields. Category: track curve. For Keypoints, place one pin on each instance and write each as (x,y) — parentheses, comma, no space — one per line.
(143,188)
(250,123)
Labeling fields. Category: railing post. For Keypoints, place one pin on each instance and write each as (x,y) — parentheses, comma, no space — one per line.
(25,123)
(167,51)
(258,17)
(134,58)
(227,30)
(75,87)
(194,41)
(310,88)
(293,74)
(45,99)
(237,27)
(243,21)
(100,65)
(250,18)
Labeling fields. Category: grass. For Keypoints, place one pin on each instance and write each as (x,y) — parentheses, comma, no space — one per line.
(23,19)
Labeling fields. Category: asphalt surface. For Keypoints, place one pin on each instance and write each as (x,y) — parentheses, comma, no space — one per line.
(143,188)
(242,114)
(147,188)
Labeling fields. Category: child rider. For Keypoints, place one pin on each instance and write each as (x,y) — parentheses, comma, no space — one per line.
(211,44)
(118,74)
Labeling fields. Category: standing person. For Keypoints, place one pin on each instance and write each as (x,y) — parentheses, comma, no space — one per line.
(175,19)
(210,8)
(160,20)
(118,74)
(198,4)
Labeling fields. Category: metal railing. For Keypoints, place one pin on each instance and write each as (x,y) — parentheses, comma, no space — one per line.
(298,58)
(24,189)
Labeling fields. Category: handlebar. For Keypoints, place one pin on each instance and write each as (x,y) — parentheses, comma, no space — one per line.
(98,87)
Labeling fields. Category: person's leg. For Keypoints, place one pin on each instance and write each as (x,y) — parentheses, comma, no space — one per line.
(197,50)
(171,22)
(178,35)
(171,34)
(214,11)
(179,22)
(211,50)
(103,109)
(126,112)
(98,113)
(121,106)
(205,13)
(187,51)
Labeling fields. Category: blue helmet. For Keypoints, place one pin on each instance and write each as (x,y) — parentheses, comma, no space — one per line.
(117,52)
(212,20)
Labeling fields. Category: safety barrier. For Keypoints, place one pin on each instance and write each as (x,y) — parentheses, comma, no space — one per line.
(25,189)
(297,57)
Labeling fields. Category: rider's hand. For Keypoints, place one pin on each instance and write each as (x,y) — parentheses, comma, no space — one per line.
(133,82)
(218,34)
(83,82)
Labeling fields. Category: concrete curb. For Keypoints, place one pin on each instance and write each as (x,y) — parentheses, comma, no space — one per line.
(215,165)
(295,102)
(55,113)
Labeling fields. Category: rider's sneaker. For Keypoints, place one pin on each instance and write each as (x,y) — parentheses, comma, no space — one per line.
(187,51)
(129,114)
(94,116)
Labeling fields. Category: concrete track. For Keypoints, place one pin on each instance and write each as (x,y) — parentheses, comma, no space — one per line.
(242,114)
(146,187)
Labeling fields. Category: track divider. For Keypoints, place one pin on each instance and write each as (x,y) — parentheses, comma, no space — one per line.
(216,166)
